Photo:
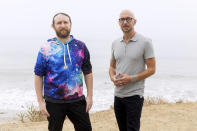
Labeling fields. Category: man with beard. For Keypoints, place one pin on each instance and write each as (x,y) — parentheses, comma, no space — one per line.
(59,68)
(130,55)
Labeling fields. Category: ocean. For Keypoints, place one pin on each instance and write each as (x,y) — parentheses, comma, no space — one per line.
(175,79)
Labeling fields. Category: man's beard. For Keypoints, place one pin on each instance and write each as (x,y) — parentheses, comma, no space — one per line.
(63,35)
(127,30)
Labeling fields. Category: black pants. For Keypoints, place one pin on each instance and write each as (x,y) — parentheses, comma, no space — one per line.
(128,112)
(75,111)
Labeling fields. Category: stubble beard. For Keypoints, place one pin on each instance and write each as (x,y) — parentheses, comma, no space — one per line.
(63,35)
(127,31)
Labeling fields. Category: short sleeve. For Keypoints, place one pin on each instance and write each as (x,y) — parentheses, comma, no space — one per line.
(86,65)
(40,66)
(148,51)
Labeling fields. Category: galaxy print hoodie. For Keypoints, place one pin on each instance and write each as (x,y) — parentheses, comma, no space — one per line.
(62,65)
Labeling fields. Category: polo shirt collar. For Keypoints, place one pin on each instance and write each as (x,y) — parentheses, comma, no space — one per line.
(134,38)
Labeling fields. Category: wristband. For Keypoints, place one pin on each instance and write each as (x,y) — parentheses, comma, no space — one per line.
(133,78)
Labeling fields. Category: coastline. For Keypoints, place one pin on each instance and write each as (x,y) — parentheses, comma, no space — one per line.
(159,117)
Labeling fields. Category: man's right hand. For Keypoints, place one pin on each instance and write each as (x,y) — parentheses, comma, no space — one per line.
(43,109)
(116,81)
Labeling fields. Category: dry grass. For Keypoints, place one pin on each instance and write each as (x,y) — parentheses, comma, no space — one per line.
(32,114)
(154,101)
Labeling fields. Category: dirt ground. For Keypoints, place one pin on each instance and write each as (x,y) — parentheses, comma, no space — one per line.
(163,117)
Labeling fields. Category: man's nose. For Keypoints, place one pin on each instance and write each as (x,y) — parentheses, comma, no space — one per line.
(125,21)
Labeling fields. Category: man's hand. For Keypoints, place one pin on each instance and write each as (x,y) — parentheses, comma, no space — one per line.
(116,81)
(125,79)
(43,109)
(121,79)
(88,103)
(115,78)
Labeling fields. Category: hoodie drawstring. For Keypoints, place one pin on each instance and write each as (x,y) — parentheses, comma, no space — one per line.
(65,66)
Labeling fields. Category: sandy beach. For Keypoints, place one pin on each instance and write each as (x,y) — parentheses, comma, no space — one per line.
(162,117)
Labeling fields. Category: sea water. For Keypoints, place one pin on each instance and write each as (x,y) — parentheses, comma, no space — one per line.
(175,80)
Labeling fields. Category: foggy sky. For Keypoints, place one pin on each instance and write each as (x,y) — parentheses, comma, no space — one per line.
(171,24)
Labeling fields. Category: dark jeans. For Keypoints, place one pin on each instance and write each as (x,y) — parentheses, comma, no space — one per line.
(75,111)
(128,112)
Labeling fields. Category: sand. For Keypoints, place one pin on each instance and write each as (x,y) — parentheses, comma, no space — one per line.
(162,117)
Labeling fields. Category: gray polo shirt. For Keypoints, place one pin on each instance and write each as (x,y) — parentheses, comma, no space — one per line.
(130,59)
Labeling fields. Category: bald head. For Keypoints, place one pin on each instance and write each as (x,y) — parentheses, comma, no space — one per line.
(127,13)
(127,21)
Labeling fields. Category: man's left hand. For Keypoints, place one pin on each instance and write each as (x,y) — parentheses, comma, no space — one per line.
(124,80)
(88,103)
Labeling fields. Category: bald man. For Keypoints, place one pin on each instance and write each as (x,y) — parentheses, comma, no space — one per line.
(132,61)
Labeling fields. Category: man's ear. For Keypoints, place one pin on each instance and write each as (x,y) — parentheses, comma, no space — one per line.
(52,25)
(135,21)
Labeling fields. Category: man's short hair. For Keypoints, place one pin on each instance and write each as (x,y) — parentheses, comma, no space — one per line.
(61,14)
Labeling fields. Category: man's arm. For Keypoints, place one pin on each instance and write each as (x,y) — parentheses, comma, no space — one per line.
(112,69)
(89,84)
(151,67)
(38,82)
(112,73)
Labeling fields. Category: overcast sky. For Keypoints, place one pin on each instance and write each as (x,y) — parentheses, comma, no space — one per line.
(171,24)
